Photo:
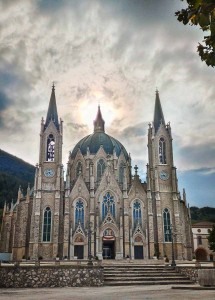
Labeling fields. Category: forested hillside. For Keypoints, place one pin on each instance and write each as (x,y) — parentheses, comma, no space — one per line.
(202,214)
(13,173)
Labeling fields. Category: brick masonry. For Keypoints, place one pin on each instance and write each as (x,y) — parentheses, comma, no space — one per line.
(50,276)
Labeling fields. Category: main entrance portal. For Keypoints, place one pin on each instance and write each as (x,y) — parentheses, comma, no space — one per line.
(108,250)
(108,246)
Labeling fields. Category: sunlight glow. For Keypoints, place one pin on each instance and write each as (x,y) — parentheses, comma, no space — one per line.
(89,108)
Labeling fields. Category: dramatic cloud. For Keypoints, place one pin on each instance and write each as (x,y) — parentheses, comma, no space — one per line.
(114,53)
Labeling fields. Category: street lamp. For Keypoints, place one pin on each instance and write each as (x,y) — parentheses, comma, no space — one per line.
(173,264)
(89,233)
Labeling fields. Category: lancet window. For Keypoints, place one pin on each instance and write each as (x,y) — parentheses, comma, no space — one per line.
(47,220)
(167,226)
(78,168)
(50,148)
(79,212)
(108,204)
(137,214)
(162,151)
(100,169)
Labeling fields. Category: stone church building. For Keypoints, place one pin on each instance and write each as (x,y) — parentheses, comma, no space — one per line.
(101,209)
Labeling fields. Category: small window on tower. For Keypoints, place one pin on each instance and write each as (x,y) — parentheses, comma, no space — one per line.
(78,169)
(162,151)
(50,148)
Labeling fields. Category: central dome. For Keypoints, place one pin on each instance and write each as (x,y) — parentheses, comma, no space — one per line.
(99,138)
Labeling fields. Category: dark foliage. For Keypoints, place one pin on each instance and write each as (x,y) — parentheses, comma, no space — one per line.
(13,173)
(201,13)
(211,239)
(202,214)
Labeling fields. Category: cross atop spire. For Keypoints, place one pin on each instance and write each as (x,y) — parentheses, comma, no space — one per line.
(52,114)
(99,123)
(158,112)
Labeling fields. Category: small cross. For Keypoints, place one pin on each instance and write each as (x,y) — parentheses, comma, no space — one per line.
(136,168)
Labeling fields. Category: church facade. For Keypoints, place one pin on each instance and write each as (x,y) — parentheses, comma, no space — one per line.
(100,209)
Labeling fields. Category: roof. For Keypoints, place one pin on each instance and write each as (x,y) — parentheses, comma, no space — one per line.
(99,138)
(206,224)
(94,142)
(52,114)
(158,113)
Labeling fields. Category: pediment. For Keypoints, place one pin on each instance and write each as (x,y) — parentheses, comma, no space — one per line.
(79,189)
(136,189)
(138,230)
(79,230)
(108,182)
(109,219)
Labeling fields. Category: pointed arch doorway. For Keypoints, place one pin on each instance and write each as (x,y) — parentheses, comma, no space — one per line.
(108,244)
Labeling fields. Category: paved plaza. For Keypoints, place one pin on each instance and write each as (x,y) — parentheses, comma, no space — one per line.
(160,292)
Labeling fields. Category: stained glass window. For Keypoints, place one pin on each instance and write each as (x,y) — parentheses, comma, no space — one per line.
(100,169)
(108,203)
(167,226)
(50,148)
(137,215)
(47,219)
(79,212)
(162,151)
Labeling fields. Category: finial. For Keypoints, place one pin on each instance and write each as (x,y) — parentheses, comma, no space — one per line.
(53,85)
(136,168)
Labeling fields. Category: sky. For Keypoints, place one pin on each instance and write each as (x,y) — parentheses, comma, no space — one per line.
(112,53)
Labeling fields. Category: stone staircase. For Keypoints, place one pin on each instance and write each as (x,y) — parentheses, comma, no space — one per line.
(127,274)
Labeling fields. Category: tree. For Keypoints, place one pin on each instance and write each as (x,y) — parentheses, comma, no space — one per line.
(201,13)
(211,239)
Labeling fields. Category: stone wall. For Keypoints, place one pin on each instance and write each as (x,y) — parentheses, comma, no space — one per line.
(50,276)
(191,272)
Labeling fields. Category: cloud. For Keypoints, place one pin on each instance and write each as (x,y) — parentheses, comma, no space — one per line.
(110,52)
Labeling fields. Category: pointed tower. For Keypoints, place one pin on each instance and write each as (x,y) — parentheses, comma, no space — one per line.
(47,215)
(162,189)
(99,123)
(158,113)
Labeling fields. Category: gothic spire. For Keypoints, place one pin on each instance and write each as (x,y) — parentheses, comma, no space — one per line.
(52,110)
(99,123)
(158,113)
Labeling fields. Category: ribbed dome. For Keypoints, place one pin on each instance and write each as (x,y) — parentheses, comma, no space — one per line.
(98,138)
(95,140)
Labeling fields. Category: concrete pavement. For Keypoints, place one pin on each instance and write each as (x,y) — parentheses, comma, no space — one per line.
(161,292)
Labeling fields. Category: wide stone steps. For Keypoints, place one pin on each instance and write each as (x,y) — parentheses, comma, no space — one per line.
(120,275)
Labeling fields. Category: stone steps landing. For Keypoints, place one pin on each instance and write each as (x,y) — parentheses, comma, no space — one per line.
(120,275)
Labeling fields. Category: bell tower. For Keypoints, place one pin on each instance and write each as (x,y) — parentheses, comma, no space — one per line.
(162,189)
(47,215)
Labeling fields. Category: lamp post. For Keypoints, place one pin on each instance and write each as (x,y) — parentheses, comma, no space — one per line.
(173,264)
(89,233)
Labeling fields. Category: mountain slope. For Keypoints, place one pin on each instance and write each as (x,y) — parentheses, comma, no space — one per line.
(13,173)
(202,214)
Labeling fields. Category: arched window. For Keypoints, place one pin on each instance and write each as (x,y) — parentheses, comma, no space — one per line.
(100,169)
(79,212)
(121,172)
(108,204)
(47,220)
(199,240)
(78,168)
(137,215)
(162,151)
(167,226)
(50,148)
